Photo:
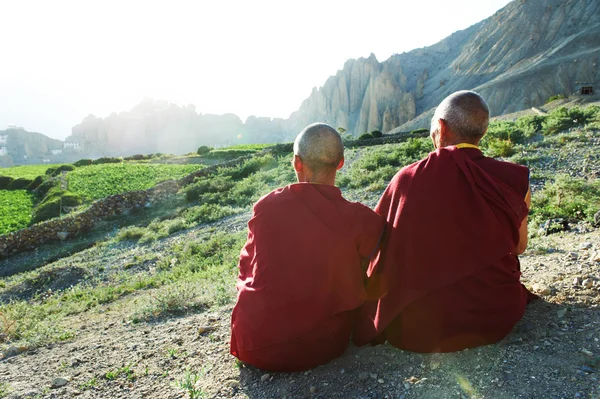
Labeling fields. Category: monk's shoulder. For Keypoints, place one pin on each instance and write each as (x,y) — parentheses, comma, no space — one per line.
(272,199)
(512,174)
(409,171)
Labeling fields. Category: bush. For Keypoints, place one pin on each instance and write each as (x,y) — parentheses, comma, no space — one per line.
(104,160)
(50,171)
(82,162)
(45,187)
(60,169)
(202,150)
(499,148)
(205,185)
(567,197)
(131,233)
(554,98)
(558,120)
(420,131)
(36,183)
(376,133)
(20,184)
(50,207)
(5,182)
(365,136)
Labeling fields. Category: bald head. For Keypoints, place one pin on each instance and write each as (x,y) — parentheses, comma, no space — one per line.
(320,147)
(465,113)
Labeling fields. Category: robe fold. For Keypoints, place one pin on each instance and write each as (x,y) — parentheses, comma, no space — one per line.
(446,276)
(300,277)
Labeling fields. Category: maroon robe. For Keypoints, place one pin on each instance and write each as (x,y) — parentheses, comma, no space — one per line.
(447,276)
(300,277)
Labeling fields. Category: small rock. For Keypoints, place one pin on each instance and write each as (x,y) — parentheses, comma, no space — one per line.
(435,365)
(577,281)
(265,377)
(363,376)
(573,255)
(584,246)
(587,369)
(59,382)
(596,256)
(406,385)
(561,313)
(373,376)
(541,289)
(587,352)
(13,351)
(597,219)
(313,389)
(381,380)
(587,283)
(232,384)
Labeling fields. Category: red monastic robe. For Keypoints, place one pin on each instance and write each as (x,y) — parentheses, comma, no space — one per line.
(447,279)
(300,277)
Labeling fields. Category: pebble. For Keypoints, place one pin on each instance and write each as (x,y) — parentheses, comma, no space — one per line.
(577,281)
(265,377)
(363,376)
(13,351)
(585,245)
(541,289)
(381,381)
(313,389)
(573,255)
(587,283)
(232,384)
(373,376)
(596,256)
(406,385)
(587,352)
(59,382)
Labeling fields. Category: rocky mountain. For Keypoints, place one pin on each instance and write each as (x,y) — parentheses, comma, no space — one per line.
(18,146)
(525,53)
(517,58)
(157,126)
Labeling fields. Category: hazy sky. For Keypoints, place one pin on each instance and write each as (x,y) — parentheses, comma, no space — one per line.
(62,60)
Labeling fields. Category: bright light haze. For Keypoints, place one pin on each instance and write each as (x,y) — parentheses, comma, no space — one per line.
(63,60)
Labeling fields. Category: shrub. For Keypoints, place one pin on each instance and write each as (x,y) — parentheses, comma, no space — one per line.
(104,160)
(206,213)
(558,120)
(50,207)
(20,184)
(499,148)
(205,185)
(555,97)
(420,131)
(50,171)
(82,162)
(45,187)
(365,136)
(567,197)
(35,183)
(133,233)
(376,133)
(202,150)
(5,182)
(62,168)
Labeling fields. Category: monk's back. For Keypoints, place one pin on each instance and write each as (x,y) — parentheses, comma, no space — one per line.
(479,309)
(300,276)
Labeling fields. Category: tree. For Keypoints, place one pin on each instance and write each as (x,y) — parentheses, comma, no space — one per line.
(202,150)
(376,133)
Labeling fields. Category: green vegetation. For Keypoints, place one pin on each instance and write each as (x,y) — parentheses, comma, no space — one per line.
(365,136)
(554,98)
(378,165)
(188,384)
(16,209)
(26,171)
(567,197)
(126,371)
(202,150)
(99,181)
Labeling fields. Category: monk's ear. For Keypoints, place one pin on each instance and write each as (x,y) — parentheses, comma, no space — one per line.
(443,131)
(340,165)
(297,163)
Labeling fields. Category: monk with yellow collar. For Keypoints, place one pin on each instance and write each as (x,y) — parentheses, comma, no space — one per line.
(448,277)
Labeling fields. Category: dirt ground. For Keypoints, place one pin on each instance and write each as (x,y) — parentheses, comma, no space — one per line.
(554,352)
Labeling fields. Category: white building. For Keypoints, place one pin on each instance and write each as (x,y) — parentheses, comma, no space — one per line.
(3,151)
(3,139)
(56,152)
(74,146)
(15,127)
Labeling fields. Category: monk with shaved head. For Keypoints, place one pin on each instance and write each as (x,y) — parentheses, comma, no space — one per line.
(449,277)
(301,271)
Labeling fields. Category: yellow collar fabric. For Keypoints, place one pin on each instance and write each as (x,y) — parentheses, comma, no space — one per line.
(466,145)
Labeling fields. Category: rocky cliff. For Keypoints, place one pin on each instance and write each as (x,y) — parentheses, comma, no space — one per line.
(18,146)
(517,58)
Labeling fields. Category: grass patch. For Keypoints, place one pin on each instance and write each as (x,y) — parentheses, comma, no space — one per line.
(16,209)
(27,171)
(99,181)
(567,197)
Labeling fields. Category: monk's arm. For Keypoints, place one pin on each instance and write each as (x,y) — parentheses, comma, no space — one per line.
(523,229)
